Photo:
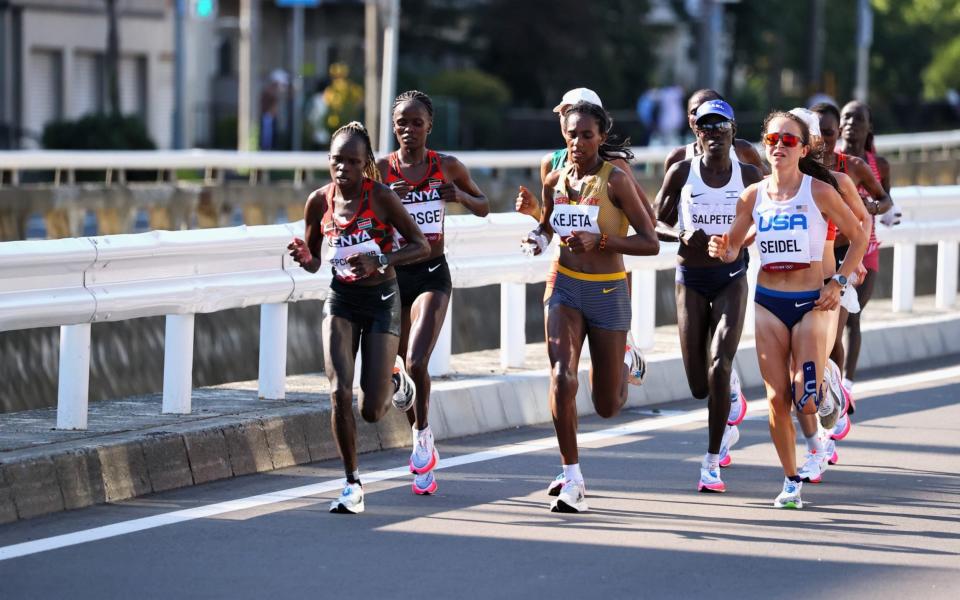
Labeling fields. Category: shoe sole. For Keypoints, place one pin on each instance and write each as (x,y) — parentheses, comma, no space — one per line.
(434,459)
(794,505)
(707,489)
(834,459)
(809,480)
(343,510)
(562,507)
(844,433)
(743,413)
(431,489)
(726,462)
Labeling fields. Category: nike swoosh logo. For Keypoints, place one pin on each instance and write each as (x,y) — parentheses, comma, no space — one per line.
(737,272)
(697,195)
(388,296)
(433,268)
(608,290)
(801,305)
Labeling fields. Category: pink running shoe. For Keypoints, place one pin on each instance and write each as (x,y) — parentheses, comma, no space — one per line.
(424,485)
(842,428)
(738,402)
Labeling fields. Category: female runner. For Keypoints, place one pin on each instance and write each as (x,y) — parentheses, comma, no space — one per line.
(351,223)
(425,181)
(701,193)
(589,204)
(790,209)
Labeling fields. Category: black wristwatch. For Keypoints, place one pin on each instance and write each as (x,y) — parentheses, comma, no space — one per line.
(384,261)
(839,278)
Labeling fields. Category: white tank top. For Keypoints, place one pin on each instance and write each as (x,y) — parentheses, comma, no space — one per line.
(790,233)
(691,151)
(708,208)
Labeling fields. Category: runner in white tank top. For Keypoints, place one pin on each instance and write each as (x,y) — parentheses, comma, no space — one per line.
(789,209)
(699,199)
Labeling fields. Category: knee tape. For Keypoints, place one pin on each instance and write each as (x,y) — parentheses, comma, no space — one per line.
(811,387)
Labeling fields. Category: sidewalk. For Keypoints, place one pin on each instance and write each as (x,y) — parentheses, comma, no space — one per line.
(130,449)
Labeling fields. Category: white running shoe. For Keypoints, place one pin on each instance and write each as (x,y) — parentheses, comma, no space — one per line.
(406,392)
(790,496)
(638,364)
(350,501)
(571,498)
(554,488)
(842,428)
(738,402)
(830,451)
(730,437)
(424,457)
(710,481)
(813,468)
(832,403)
(424,485)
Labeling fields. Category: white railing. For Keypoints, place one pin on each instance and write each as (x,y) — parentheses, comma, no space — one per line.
(214,160)
(72,283)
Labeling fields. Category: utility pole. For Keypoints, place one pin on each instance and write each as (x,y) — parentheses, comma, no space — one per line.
(861,91)
(246,102)
(371,79)
(711,34)
(296,78)
(178,73)
(391,48)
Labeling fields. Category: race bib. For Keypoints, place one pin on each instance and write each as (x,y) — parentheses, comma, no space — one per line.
(713,216)
(567,218)
(337,257)
(783,239)
(428,216)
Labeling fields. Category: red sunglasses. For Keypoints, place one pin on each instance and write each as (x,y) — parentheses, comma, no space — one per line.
(789,140)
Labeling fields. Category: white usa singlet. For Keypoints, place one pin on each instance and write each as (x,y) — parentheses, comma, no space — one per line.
(711,209)
(790,233)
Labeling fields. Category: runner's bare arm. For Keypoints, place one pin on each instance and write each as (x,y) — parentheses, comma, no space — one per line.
(463,189)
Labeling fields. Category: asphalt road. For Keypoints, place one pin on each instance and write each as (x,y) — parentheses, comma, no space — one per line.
(885,523)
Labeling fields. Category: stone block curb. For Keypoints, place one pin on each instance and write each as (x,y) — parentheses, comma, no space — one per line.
(118,466)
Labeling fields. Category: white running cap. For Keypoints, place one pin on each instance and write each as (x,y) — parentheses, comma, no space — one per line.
(809,117)
(578,95)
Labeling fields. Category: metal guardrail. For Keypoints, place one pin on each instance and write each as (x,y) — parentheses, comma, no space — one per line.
(211,160)
(75,282)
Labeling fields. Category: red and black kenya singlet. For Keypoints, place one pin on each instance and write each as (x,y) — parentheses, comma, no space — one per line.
(423,200)
(363,234)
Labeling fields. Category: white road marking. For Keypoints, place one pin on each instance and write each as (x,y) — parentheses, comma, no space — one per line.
(506,450)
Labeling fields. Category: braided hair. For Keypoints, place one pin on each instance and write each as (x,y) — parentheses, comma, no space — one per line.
(370,170)
(612,148)
(808,165)
(414,95)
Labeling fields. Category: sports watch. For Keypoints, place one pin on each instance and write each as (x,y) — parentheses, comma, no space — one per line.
(840,278)
(384,261)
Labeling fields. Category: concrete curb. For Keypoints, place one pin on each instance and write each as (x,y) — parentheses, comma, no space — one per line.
(125,465)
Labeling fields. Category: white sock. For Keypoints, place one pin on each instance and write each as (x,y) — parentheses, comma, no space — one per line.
(813,444)
(734,384)
(424,434)
(355,476)
(710,461)
(572,472)
(628,358)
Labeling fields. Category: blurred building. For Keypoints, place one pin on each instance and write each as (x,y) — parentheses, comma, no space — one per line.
(52,62)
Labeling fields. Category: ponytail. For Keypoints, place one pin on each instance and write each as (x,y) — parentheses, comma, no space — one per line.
(370,170)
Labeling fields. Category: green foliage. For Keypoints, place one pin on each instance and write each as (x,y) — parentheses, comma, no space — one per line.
(480,98)
(943,73)
(98,132)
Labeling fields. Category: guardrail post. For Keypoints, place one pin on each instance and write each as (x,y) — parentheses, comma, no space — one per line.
(643,307)
(74,383)
(178,364)
(946,274)
(273,351)
(513,320)
(440,359)
(904,267)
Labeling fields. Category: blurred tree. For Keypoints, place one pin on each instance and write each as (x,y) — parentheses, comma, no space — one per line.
(480,98)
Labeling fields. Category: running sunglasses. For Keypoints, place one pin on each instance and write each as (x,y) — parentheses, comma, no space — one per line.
(789,140)
(718,127)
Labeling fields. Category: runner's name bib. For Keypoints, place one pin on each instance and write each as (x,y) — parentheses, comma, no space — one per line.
(783,238)
(567,218)
(337,255)
(714,214)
